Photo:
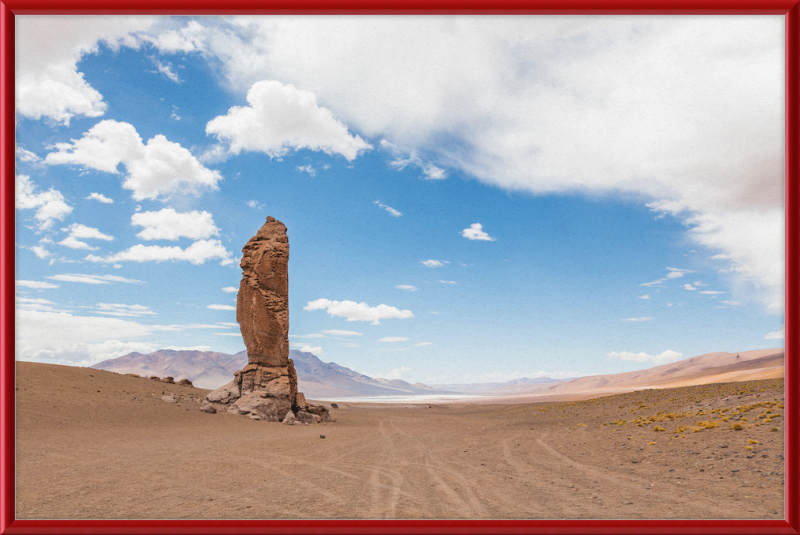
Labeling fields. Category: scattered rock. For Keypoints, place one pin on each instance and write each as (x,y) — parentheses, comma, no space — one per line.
(155,378)
(333,405)
(322,436)
(170,398)
(169,379)
(185,382)
(289,419)
(308,418)
(209,408)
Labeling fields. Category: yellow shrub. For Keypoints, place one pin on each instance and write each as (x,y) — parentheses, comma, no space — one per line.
(737,427)
(752,441)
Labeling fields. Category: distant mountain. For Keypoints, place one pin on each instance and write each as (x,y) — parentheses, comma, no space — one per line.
(207,369)
(522,384)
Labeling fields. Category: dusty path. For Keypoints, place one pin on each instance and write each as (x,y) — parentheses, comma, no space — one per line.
(105,446)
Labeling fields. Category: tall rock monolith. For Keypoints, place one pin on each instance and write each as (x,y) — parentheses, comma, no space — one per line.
(266,389)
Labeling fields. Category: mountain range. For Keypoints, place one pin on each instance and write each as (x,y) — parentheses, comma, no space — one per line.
(328,380)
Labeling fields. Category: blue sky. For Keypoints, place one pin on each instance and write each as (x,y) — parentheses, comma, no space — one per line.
(467,198)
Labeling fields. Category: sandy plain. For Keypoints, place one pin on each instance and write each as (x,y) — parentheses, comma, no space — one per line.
(98,445)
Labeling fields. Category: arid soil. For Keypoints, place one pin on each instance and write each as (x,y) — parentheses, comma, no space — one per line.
(95,444)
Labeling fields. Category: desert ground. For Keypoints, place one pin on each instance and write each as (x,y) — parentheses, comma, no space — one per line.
(92,444)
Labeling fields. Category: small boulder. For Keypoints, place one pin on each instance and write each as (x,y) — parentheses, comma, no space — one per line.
(209,408)
(289,419)
(308,418)
(334,406)
(169,379)
(224,394)
(155,378)
(185,382)
(168,398)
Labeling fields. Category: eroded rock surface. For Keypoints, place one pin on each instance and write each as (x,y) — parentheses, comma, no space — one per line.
(265,389)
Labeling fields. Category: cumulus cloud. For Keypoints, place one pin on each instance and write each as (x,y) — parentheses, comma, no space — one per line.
(388,209)
(154,170)
(166,69)
(92,279)
(230,289)
(221,307)
(688,286)
(77,232)
(406,287)
(99,197)
(648,318)
(645,296)
(336,332)
(691,119)
(352,311)
(167,224)
(476,232)
(50,205)
(48,50)
(663,358)
(397,373)
(38,285)
(281,118)
(26,156)
(63,338)
(198,252)
(432,263)
(393,339)
(776,335)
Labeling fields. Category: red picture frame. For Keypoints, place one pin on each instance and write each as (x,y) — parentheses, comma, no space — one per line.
(790,9)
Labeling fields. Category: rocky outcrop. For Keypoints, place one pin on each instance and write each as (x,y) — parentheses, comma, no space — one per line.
(265,389)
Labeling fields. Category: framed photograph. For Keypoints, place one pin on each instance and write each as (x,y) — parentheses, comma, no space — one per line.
(399,267)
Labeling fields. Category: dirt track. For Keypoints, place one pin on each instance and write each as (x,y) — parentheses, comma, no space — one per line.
(106,446)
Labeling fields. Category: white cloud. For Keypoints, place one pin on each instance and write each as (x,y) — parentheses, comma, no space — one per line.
(92,279)
(353,311)
(40,305)
(77,230)
(48,49)
(254,204)
(313,335)
(167,224)
(432,263)
(403,159)
(393,339)
(663,358)
(166,70)
(117,309)
(475,232)
(776,335)
(26,156)
(336,332)
(397,373)
(733,303)
(281,118)
(197,253)
(64,338)
(638,319)
(406,287)
(645,296)
(423,344)
(50,205)
(307,169)
(38,285)
(506,101)
(388,209)
(712,292)
(675,273)
(498,377)
(688,286)
(74,243)
(230,289)
(154,170)
(40,251)
(221,307)
(447,282)
(315,350)
(99,197)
